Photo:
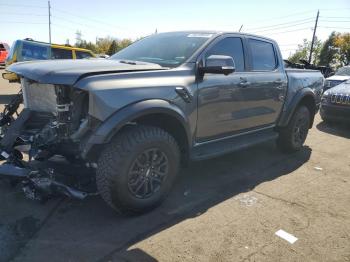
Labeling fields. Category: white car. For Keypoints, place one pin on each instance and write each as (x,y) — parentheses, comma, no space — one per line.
(340,76)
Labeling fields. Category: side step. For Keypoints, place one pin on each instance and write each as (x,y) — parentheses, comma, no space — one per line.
(228,145)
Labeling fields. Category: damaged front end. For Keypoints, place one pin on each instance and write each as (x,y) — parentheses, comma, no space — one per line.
(53,122)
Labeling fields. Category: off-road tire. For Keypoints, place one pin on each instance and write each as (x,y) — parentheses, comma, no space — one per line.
(115,161)
(288,140)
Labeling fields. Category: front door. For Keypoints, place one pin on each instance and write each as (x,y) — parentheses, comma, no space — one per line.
(219,96)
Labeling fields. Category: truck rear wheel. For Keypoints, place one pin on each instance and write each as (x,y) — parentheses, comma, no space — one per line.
(137,169)
(292,137)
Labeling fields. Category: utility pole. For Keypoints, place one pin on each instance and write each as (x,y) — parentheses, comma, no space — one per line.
(240,28)
(49,21)
(313,37)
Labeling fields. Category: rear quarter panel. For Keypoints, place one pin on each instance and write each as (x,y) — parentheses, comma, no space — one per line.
(301,82)
(300,78)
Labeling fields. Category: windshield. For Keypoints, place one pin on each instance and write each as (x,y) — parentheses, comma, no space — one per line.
(166,49)
(343,71)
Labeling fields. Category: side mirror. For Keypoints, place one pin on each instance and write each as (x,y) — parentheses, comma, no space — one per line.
(219,64)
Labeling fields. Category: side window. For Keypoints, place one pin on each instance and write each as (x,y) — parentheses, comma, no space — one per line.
(82,55)
(33,52)
(58,53)
(263,55)
(231,46)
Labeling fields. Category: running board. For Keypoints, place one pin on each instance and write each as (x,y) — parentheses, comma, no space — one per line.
(228,145)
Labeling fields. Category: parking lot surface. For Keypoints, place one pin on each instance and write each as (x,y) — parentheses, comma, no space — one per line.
(224,209)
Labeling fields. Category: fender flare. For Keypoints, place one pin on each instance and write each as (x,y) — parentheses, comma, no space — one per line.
(104,133)
(287,114)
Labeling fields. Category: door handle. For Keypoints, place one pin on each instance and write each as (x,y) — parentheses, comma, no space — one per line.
(278,81)
(244,82)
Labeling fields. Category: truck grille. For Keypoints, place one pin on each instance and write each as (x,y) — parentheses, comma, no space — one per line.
(39,97)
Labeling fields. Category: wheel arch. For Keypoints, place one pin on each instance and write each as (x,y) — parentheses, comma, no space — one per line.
(155,112)
(304,97)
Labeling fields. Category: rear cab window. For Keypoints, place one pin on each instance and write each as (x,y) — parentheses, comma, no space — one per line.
(34,51)
(82,54)
(229,46)
(263,56)
(60,53)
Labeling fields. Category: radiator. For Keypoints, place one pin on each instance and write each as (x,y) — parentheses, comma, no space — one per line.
(39,97)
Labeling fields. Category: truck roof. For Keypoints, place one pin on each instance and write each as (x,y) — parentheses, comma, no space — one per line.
(216,33)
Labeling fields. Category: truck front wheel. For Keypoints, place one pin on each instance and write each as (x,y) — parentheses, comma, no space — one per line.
(292,137)
(137,169)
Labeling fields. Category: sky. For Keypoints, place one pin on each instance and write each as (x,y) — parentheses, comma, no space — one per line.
(288,22)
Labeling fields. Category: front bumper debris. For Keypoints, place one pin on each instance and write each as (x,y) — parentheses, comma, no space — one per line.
(40,180)
(42,183)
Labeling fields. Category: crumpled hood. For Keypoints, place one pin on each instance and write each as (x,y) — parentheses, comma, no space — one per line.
(68,72)
(343,88)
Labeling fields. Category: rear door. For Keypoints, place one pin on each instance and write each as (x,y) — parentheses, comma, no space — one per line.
(266,85)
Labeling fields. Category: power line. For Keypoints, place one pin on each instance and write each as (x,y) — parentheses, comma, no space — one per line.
(292,49)
(283,32)
(340,17)
(86,18)
(22,22)
(281,27)
(330,21)
(286,16)
(81,24)
(29,6)
(288,44)
(333,9)
(64,26)
(331,27)
(290,22)
(29,14)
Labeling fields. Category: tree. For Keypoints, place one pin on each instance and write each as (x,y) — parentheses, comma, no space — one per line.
(124,43)
(103,44)
(328,51)
(342,43)
(113,48)
(87,45)
(303,52)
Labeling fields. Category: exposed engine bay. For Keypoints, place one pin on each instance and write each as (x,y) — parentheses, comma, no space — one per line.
(53,122)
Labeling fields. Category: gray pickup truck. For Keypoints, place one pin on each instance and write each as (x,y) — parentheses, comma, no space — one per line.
(164,100)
